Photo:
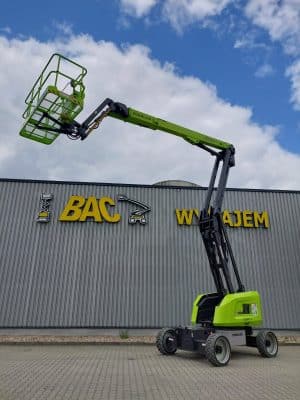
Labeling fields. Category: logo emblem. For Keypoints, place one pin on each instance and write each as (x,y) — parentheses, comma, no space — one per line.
(137,215)
(44,213)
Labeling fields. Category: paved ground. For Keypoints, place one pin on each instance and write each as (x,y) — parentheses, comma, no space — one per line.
(38,372)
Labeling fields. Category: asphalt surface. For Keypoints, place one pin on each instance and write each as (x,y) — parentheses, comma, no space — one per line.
(38,372)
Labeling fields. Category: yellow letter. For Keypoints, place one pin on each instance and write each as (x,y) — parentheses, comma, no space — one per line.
(248,219)
(72,211)
(105,214)
(261,218)
(184,216)
(238,215)
(226,218)
(91,210)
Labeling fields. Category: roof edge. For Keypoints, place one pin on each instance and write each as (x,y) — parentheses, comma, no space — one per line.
(23,180)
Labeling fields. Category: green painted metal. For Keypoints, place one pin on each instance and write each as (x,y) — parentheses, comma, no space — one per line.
(59,91)
(195,309)
(238,310)
(148,121)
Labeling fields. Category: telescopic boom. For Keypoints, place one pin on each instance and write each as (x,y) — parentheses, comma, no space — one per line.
(120,111)
(148,121)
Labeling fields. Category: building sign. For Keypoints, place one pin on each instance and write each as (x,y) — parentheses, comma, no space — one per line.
(233,219)
(44,213)
(80,209)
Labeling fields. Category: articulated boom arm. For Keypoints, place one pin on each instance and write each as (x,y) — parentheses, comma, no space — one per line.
(213,233)
(148,121)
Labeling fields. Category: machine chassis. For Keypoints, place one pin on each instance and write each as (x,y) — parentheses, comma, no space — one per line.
(215,343)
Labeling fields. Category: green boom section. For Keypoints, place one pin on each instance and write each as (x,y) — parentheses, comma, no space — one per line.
(148,121)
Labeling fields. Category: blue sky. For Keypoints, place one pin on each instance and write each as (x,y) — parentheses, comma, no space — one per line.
(246,52)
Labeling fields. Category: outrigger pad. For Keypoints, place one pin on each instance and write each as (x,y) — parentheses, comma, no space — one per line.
(56,96)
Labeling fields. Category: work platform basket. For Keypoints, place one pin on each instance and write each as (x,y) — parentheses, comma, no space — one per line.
(57,96)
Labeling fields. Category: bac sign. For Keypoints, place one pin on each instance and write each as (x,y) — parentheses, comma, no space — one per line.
(79,208)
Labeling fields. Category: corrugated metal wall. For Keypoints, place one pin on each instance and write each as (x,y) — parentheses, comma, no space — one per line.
(87,274)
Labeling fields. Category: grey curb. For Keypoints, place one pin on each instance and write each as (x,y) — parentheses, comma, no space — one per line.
(143,340)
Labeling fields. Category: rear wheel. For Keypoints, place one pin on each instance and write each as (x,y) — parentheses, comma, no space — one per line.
(267,344)
(218,350)
(166,341)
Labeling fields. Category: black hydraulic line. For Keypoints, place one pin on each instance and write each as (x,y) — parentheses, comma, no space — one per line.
(211,254)
(211,185)
(66,128)
(47,128)
(206,148)
(222,249)
(241,287)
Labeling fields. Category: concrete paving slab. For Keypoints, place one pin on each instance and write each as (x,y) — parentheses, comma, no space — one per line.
(75,372)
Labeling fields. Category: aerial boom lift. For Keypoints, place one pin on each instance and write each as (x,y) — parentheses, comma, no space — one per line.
(219,319)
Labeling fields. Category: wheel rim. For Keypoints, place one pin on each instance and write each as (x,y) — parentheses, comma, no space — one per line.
(170,343)
(222,350)
(271,344)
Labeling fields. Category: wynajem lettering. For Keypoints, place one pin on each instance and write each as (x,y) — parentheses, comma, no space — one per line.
(234,219)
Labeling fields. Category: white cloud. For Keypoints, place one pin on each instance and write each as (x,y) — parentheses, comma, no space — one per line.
(280,18)
(137,8)
(249,41)
(181,13)
(63,27)
(6,29)
(119,152)
(243,43)
(264,71)
(293,72)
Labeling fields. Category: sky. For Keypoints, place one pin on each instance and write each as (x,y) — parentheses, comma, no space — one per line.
(229,69)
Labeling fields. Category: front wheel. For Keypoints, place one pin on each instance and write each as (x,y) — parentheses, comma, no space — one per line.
(218,350)
(166,341)
(266,343)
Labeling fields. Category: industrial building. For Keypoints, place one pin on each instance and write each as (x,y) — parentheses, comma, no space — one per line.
(98,255)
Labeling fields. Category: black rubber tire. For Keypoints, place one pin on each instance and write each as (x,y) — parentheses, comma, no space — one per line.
(218,350)
(267,344)
(166,341)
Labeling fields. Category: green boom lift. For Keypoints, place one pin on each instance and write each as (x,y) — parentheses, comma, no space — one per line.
(220,319)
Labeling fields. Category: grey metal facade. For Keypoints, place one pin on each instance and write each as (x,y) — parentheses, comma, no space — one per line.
(91,274)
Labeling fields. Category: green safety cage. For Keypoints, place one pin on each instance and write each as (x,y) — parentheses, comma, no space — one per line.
(57,95)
